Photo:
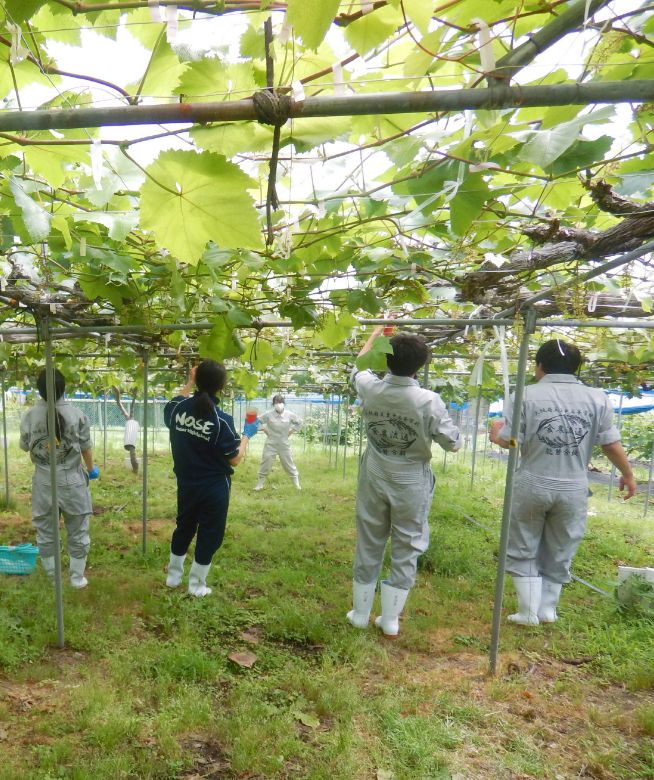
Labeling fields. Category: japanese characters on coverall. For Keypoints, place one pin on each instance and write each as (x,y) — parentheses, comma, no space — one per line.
(278,427)
(73,494)
(396,483)
(561,421)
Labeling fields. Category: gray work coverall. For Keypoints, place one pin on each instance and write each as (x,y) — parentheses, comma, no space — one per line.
(278,427)
(396,483)
(73,494)
(561,421)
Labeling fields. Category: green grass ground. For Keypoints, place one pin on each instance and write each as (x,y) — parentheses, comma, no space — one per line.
(145,687)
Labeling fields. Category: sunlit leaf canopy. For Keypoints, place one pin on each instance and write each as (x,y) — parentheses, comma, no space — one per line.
(425,215)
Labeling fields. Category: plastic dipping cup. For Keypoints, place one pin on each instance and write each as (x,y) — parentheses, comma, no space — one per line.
(388,330)
(250,415)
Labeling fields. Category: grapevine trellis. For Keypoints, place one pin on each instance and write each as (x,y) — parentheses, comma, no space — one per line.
(451,178)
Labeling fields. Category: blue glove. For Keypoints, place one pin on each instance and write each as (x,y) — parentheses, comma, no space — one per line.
(94,473)
(250,429)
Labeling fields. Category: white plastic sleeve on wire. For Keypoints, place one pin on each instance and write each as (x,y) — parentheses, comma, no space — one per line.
(483,166)
(3,283)
(321,209)
(477,373)
(500,335)
(298,91)
(53,308)
(285,33)
(592,302)
(96,162)
(17,52)
(172,23)
(339,84)
(367,7)
(131,438)
(82,247)
(485,47)
(155,10)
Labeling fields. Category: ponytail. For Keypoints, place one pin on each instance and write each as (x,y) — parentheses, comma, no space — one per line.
(210,378)
(60,386)
(203,406)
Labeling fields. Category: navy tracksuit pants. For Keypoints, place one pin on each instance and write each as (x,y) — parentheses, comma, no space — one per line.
(202,509)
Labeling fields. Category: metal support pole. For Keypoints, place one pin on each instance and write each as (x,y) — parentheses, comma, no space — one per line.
(360,440)
(612,478)
(648,495)
(153,427)
(146,363)
(497,96)
(329,427)
(338,431)
(508,488)
(475,431)
(52,450)
(486,443)
(347,415)
(4,436)
(304,432)
(104,431)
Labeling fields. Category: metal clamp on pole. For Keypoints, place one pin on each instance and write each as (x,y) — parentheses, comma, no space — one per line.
(530,323)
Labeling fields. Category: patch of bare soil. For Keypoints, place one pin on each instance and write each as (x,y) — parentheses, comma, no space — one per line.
(15,529)
(210,761)
(26,704)
(552,710)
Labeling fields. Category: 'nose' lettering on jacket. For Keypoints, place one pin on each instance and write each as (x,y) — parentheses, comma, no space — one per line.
(188,421)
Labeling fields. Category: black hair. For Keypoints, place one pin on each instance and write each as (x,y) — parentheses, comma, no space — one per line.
(60,386)
(559,357)
(210,378)
(410,353)
(278,399)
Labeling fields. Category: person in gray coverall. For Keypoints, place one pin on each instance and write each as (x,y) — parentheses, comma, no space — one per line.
(560,421)
(73,435)
(396,483)
(278,424)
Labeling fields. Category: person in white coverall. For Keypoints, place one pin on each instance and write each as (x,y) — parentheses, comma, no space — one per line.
(396,483)
(560,421)
(73,441)
(279,425)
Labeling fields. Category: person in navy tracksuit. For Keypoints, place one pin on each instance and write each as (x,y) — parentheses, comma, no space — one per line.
(205,446)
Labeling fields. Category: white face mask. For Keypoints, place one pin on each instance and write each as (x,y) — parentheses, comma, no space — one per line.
(278,407)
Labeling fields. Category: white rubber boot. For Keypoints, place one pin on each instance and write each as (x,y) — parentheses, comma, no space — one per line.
(197,579)
(392,604)
(296,482)
(49,566)
(260,484)
(362,598)
(175,570)
(77,568)
(549,599)
(529,591)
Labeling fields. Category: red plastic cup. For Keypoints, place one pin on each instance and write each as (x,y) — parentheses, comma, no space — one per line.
(388,330)
(250,415)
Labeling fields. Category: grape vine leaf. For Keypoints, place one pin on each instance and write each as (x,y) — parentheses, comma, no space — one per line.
(190,199)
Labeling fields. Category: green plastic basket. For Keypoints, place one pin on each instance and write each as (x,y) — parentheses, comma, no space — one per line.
(20,559)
